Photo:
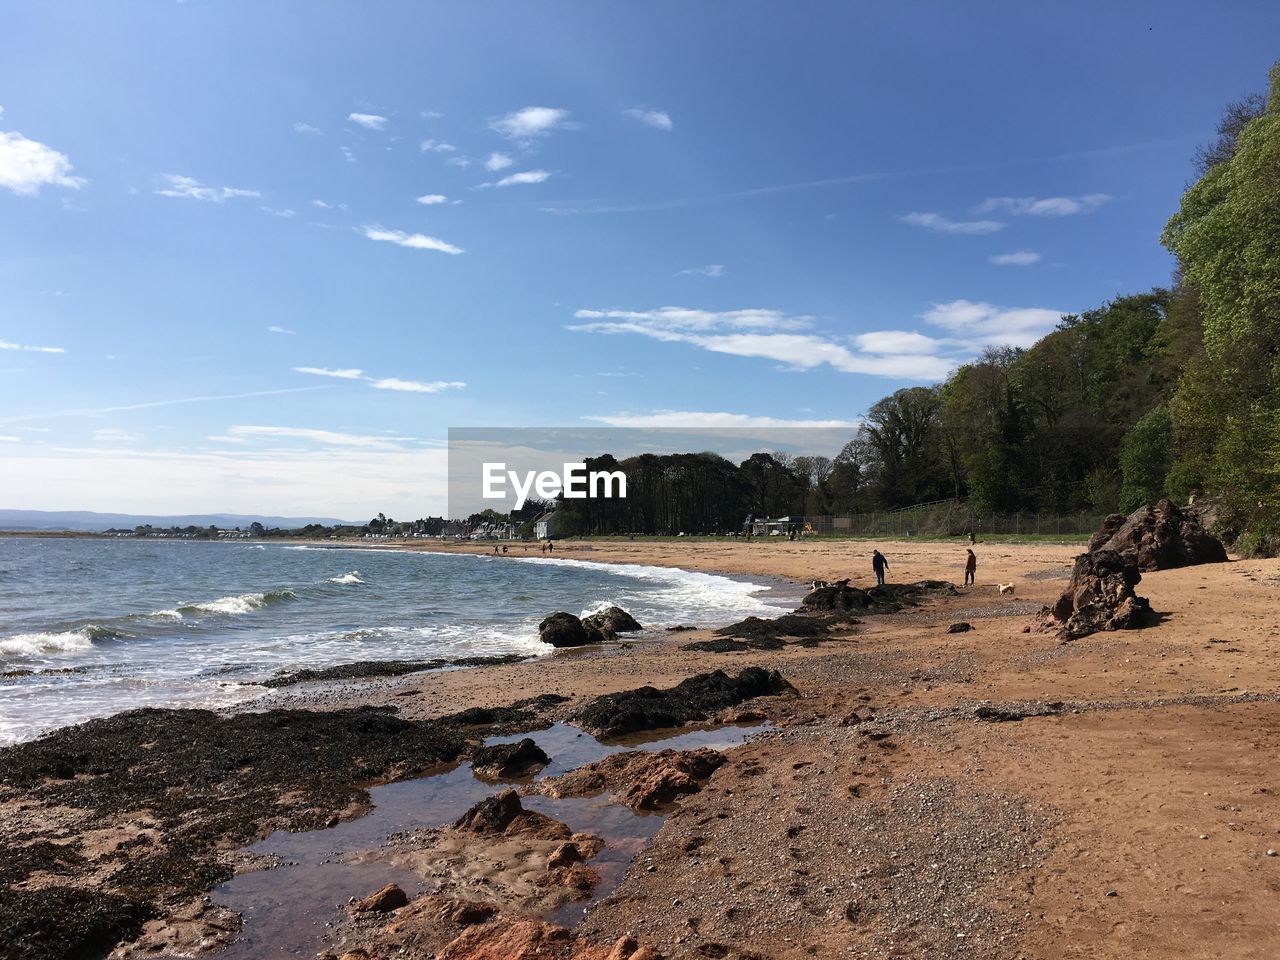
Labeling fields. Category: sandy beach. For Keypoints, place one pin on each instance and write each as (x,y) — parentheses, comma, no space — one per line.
(916,792)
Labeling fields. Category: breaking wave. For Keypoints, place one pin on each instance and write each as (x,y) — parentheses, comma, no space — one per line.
(352,577)
(56,641)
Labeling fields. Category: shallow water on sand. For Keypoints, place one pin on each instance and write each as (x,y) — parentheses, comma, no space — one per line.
(92,627)
(289,910)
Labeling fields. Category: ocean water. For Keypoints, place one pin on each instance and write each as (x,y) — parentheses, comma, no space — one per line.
(92,627)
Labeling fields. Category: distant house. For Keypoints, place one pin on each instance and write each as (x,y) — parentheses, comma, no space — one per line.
(545,526)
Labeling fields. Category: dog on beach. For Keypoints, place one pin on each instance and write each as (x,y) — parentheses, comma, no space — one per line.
(817,584)
(1005,588)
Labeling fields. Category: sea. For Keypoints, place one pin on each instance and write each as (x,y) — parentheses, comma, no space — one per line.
(90,627)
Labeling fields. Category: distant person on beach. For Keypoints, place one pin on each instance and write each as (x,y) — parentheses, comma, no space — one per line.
(504,549)
(879,564)
(970,568)
(550,547)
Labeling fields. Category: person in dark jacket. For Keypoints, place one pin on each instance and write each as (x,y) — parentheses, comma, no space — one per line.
(879,564)
(970,568)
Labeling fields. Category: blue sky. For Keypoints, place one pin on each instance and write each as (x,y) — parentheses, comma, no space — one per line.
(513,214)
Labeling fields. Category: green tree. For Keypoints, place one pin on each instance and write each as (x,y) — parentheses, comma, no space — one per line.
(1145,459)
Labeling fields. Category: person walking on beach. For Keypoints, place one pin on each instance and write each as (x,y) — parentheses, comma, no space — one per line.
(879,564)
(970,568)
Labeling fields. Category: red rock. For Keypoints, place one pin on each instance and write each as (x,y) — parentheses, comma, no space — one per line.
(389,898)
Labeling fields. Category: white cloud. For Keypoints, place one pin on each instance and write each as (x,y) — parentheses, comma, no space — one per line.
(498,161)
(321,204)
(940,224)
(347,155)
(370,121)
(653,118)
(415,386)
(275,329)
(346,374)
(982,324)
(6,345)
(710,270)
(27,165)
(432,199)
(192,189)
(152,404)
(515,179)
(1022,258)
(689,418)
(115,435)
(530,122)
(8,438)
(760,333)
(307,128)
(459,161)
(414,241)
(436,146)
(1045,206)
(898,342)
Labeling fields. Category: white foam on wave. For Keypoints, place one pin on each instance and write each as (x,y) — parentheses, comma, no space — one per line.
(237,604)
(685,594)
(54,641)
(352,577)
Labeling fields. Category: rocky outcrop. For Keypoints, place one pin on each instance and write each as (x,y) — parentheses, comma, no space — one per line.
(890,598)
(389,898)
(613,619)
(697,698)
(1101,596)
(502,815)
(565,630)
(525,939)
(505,760)
(639,779)
(1159,537)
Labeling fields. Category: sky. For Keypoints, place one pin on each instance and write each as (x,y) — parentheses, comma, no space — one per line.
(259,258)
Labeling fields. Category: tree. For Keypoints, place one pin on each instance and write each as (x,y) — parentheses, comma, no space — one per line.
(1145,460)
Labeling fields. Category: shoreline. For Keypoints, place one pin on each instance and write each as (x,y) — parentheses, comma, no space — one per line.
(1028,825)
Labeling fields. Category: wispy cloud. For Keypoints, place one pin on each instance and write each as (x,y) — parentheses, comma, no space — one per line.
(690,418)
(345,374)
(27,165)
(347,155)
(152,404)
(516,179)
(1044,206)
(27,348)
(8,438)
(710,270)
(115,435)
(898,343)
(329,438)
(370,121)
(498,161)
(307,128)
(937,223)
(432,199)
(384,383)
(274,329)
(436,146)
(530,123)
(1021,258)
(191,189)
(416,386)
(653,118)
(414,241)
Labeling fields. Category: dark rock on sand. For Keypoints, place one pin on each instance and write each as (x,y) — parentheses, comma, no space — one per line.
(788,625)
(960,628)
(1005,714)
(697,698)
(528,714)
(1159,537)
(1101,596)
(384,668)
(60,922)
(565,630)
(613,619)
(890,598)
(728,645)
(389,898)
(502,815)
(504,760)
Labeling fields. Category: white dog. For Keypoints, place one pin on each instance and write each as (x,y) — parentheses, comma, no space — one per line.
(1005,588)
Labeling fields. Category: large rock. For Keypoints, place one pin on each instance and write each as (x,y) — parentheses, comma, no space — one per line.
(565,630)
(503,760)
(639,779)
(503,815)
(1159,537)
(389,898)
(1101,596)
(612,619)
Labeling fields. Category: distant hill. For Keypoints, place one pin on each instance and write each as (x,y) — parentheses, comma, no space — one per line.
(88,521)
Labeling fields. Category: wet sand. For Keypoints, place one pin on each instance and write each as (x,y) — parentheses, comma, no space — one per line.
(1129,812)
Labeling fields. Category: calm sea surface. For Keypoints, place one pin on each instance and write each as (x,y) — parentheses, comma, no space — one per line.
(92,627)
